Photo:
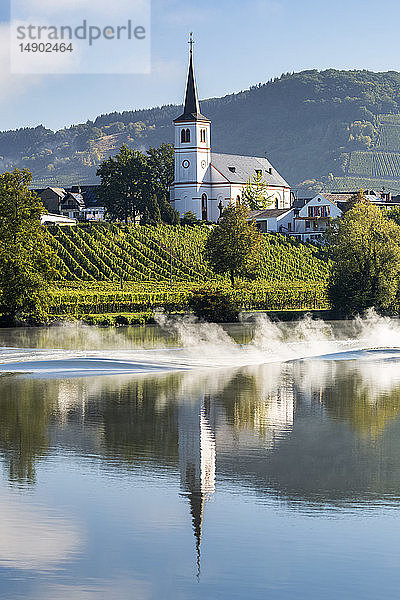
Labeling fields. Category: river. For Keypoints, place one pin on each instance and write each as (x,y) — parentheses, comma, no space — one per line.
(187,461)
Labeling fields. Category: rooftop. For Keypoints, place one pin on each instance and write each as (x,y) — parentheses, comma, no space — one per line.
(244,167)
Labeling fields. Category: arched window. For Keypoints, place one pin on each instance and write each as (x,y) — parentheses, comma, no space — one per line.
(185,135)
(204,207)
(202,135)
(237,200)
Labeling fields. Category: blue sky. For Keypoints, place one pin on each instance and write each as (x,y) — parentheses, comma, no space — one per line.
(238,44)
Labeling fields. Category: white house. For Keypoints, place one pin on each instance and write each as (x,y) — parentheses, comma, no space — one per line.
(305,220)
(311,221)
(205,182)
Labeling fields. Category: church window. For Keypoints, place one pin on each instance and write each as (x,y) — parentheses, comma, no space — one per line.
(204,207)
(185,135)
(237,200)
(258,172)
(202,135)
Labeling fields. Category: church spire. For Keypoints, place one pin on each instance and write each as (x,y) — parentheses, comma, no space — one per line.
(191,110)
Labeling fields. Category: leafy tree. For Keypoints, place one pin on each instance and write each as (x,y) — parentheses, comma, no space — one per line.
(133,184)
(235,245)
(255,194)
(356,199)
(214,305)
(26,259)
(151,214)
(161,163)
(365,247)
(394,214)
(121,188)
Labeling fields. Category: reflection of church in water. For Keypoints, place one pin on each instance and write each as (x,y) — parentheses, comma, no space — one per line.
(202,423)
(197,458)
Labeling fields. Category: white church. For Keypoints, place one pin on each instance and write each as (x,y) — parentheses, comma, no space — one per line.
(206,182)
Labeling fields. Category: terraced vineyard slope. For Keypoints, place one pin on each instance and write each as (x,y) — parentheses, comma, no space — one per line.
(107,252)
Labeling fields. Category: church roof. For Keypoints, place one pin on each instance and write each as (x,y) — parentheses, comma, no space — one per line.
(191,111)
(238,169)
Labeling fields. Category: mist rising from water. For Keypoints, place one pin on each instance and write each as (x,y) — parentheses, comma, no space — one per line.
(209,346)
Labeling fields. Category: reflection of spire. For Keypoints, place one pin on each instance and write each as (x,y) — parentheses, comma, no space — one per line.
(197,461)
(197,501)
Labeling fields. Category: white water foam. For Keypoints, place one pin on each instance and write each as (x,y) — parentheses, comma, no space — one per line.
(209,346)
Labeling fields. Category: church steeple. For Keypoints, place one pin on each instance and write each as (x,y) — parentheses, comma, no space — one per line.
(191,110)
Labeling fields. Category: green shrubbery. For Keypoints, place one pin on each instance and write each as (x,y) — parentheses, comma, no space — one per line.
(214,305)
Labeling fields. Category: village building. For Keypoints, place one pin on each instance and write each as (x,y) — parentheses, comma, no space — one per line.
(51,198)
(72,205)
(305,220)
(308,218)
(206,182)
(80,203)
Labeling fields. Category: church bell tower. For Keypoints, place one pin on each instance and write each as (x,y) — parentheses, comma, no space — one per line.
(192,153)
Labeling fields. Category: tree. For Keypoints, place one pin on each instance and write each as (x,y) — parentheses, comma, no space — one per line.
(133,184)
(189,218)
(26,259)
(365,247)
(161,162)
(234,246)
(121,189)
(394,214)
(356,199)
(255,194)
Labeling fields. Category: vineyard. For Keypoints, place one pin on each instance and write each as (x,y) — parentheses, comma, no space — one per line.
(361,163)
(375,164)
(380,165)
(111,253)
(109,269)
(356,182)
(389,137)
(147,298)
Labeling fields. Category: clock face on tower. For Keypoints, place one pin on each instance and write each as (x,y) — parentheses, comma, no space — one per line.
(185,164)
(203,164)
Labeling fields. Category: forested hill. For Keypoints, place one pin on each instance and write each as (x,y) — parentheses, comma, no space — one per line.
(340,128)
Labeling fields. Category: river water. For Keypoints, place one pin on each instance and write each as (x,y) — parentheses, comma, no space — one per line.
(187,461)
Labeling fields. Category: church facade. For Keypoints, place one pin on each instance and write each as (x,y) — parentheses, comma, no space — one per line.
(206,182)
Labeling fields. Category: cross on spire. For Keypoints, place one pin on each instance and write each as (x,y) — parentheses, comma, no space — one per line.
(191,42)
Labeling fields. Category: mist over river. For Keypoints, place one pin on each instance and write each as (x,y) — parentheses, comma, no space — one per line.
(194,461)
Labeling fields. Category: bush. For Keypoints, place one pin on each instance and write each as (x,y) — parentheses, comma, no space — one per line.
(189,218)
(121,320)
(214,305)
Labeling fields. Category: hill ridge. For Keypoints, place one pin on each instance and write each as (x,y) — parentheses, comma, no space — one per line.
(311,125)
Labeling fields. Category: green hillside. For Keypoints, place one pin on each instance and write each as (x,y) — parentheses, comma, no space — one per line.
(107,273)
(108,252)
(320,129)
